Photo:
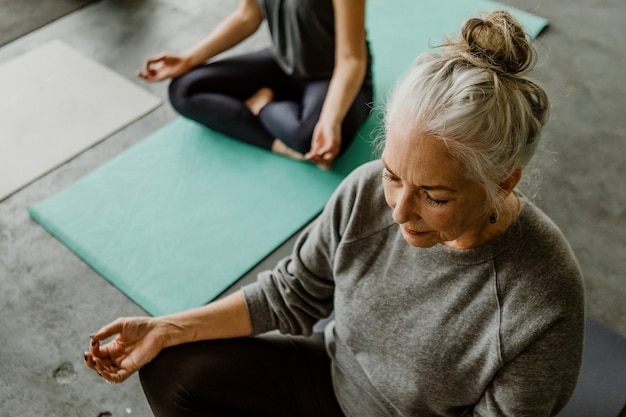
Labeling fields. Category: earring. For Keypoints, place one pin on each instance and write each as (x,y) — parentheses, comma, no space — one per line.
(493,218)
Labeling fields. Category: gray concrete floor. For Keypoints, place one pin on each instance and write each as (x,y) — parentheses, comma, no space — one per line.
(51,301)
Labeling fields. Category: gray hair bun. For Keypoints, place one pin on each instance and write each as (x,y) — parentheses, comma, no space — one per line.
(496,41)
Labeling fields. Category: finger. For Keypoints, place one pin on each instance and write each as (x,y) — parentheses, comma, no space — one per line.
(315,152)
(117,372)
(146,76)
(313,158)
(100,362)
(328,156)
(115,376)
(109,330)
(88,358)
(91,364)
(110,377)
(327,147)
(321,156)
(103,367)
(318,155)
(110,371)
(94,347)
(155,60)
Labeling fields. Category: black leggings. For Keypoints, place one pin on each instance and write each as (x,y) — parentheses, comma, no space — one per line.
(265,376)
(213,95)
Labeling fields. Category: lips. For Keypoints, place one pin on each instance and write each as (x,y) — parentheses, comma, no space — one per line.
(414,232)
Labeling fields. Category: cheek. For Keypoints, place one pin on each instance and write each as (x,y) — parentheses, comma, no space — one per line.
(442,220)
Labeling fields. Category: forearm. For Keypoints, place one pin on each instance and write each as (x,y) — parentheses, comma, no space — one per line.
(237,27)
(350,60)
(225,318)
(344,85)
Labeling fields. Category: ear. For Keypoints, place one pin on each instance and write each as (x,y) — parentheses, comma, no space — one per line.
(507,186)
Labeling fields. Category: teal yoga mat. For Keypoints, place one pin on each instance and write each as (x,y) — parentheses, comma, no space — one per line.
(180,216)
(399,30)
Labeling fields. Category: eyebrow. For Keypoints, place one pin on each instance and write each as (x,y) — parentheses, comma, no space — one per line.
(424,187)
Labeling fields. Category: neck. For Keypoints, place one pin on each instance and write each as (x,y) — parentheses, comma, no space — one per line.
(488,230)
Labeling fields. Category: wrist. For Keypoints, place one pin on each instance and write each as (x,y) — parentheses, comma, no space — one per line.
(330,119)
(189,61)
(170,333)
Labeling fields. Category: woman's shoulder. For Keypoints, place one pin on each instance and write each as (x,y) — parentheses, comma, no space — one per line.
(362,184)
(359,201)
(542,236)
(542,263)
(369,172)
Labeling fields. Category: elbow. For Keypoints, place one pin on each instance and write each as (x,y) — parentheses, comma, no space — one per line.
(249,19)
(352,65)
(354,58)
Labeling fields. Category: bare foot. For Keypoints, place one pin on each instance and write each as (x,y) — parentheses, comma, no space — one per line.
(280,148)
(325,166)
(321,163)
(259,99)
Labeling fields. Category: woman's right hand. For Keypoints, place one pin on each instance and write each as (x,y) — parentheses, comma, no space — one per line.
(136,342)
(164,66)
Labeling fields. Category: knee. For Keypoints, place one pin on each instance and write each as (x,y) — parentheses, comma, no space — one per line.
(149,374)
(156,384)
(165,388)
(177,94)
(177,378)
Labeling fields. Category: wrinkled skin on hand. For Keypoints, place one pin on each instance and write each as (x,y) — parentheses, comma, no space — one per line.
(136,341)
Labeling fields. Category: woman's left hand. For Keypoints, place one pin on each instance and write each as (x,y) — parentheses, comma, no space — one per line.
(325,144)
(136,341)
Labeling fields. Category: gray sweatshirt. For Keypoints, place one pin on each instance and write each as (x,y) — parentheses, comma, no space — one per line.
(495,330)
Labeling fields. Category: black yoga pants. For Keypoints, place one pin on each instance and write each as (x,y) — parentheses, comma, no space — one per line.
(214,94)
(265,376)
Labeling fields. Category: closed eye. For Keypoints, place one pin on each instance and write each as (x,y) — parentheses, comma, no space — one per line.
(436,203)
(388,177)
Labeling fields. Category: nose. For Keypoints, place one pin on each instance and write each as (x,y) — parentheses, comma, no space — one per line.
(405,207)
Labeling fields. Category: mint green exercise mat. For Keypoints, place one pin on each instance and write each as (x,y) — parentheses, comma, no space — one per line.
(182,215)
(399,30)
(178,217)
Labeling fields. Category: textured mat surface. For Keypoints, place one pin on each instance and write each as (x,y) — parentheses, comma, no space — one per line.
(398,34)
(20,17)
(182,215)
(73,103)
(177,218)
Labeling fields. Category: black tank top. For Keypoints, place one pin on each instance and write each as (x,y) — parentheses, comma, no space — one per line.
(303,36)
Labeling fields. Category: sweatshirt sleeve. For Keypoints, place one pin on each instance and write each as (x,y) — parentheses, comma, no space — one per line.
(542,319)
(540,380)
(299,290)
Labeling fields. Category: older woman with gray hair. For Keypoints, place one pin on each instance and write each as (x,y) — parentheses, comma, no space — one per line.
(453,294)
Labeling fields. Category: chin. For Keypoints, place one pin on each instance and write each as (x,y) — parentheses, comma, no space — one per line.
(426,241)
